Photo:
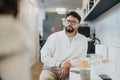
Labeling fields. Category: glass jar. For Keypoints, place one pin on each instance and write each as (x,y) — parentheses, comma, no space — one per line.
(85,68)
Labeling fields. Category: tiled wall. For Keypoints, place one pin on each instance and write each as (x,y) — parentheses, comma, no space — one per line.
(107,28)
(52,20)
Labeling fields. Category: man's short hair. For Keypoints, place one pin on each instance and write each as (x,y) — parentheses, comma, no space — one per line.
(74,14)
(9,7)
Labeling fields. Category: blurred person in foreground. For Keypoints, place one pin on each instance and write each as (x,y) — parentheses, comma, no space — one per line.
(63,50)
(15,44)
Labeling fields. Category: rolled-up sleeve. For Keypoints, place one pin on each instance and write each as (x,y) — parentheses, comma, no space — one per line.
(48,51)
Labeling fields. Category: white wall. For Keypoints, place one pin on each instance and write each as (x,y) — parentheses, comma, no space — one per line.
(107,26)
(107,29)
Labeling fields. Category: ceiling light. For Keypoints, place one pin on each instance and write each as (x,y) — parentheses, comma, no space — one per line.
(61,10)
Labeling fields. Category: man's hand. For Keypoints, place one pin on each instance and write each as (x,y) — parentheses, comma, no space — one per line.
(66,64)
(65,68)
(64,72)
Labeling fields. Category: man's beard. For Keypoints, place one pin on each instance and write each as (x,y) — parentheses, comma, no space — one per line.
(69,29)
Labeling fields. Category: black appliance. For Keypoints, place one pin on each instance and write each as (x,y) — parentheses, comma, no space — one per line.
(84,30)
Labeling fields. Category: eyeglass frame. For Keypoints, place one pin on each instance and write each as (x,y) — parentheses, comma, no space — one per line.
(73,22)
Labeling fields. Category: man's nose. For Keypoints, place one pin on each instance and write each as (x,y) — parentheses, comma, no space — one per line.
(70,23)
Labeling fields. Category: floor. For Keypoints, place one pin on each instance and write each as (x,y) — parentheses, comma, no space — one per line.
(36,70)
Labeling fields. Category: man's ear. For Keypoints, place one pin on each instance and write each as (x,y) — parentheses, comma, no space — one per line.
(63,23)
(78,25)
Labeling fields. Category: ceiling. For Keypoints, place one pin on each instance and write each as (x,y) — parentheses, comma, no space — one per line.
(51,5)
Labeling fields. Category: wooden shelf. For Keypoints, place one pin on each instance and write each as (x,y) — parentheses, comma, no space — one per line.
(99,8)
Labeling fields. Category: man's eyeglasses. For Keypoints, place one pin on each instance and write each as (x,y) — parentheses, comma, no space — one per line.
(71,21)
